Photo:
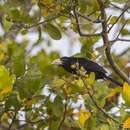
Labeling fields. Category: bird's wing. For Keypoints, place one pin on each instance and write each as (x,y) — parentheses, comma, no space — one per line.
(92,66)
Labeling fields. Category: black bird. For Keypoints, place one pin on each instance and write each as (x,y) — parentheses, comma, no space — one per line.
(74,64)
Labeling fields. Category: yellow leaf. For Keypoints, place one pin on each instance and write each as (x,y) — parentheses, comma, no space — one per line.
(126,124)
(2,56)
(3,51)
(5,78)
(126,93)
(83,116)
(6,90)
(113,92)
(45,12)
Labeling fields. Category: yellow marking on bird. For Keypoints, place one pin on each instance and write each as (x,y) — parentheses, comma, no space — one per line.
(73,66)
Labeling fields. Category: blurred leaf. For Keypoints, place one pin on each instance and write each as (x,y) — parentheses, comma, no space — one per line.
(6,90)
(82,5)
(24,31)
(101,94)
(15,13)
(5,79)
(95,5)
(3,52)
(103,127)
(53,31)
(86,50)
(58,106)
(114,91)
(29,84)
(126,123)
(87,46)
(12,101)
(113,19)
(125,32)
(32,101)
(91,78)
(54,125)
(123,113)
(7,23)
(83,115)
(18,61)
(126,93)
(58,83)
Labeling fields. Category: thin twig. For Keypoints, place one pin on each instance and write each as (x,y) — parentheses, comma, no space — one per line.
(124,52)
(43,22)
(78,27)
(120,39)
(119,8)
(88,18)
(118,18)
(117,37)
(13,120)
(122,28)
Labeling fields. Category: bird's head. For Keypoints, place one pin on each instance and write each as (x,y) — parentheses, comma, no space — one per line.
(61,61)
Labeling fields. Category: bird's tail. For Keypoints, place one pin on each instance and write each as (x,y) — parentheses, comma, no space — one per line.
(114,81)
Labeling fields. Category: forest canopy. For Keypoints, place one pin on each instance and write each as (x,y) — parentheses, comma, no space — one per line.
(37,95)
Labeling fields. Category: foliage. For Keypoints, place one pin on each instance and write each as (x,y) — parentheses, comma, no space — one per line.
(36,95)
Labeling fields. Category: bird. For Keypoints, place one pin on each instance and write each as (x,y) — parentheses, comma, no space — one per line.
(74,64)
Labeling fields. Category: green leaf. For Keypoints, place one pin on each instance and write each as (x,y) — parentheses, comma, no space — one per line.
(29,84)
(12,101)
(58,83)
(7,24)
(54,124)
(53,31)
(18,60)
(103,127)
(91,78)
(95,5)
(87,47)
(15,13)
(101,95)
(113,19)
(24,31)
(5,79)
(58,106)
(125,32)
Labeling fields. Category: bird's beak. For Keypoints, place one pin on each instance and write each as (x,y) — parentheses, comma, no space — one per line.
(57,62)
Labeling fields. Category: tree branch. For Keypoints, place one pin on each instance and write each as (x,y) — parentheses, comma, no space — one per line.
(107,44)
(124,52)
(117,37)
(122,13)
(43,22)
(78,27)
(88,18)
(119,8)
